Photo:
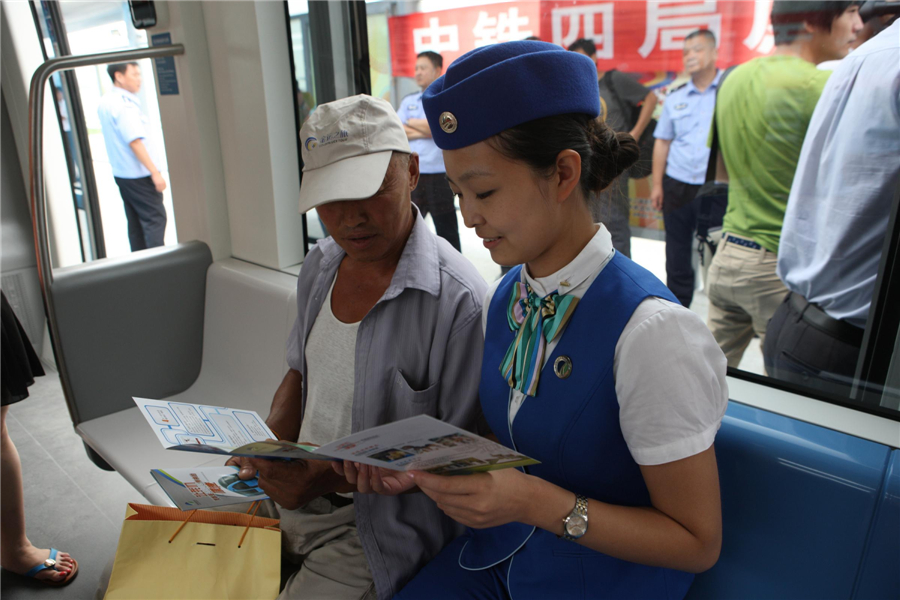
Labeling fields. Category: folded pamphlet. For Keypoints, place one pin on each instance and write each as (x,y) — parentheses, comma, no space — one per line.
(207,487)
(419,443)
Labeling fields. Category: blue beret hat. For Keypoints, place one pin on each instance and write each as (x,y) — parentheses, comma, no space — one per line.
(491,89)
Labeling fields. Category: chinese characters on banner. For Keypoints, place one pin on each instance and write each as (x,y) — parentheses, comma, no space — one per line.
(630,35)
(452,33)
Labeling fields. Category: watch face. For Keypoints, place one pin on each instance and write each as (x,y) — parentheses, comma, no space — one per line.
(576,526)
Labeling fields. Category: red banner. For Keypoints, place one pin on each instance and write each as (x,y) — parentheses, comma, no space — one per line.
(630,36)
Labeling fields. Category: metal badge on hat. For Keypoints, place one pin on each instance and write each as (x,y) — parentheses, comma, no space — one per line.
(448,122)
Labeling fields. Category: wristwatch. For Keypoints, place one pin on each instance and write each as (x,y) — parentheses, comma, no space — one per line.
(576,524)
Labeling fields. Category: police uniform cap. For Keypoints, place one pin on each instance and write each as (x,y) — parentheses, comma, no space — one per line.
(494,88)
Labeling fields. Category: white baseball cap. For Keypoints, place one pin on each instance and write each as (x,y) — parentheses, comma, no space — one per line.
(347,147)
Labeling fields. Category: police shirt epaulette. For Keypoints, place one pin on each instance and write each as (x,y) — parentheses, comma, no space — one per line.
(679,87)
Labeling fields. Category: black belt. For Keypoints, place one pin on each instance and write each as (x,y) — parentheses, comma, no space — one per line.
(818,318)
(338,501)
(732,239)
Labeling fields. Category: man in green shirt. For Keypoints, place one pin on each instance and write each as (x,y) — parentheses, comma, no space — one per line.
(762,114)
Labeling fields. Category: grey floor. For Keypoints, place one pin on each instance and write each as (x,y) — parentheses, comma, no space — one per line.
(70,504)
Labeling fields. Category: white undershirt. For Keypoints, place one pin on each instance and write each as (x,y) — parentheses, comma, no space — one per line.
(330,376)
(668,368)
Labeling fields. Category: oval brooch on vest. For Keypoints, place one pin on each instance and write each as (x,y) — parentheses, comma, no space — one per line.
(562,366)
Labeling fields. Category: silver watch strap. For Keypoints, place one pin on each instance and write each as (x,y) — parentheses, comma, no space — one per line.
(581,505)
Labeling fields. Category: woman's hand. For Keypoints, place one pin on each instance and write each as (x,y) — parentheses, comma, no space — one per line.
(481,500)
(368,479)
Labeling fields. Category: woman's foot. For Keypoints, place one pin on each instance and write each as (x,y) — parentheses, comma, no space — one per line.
(30,557)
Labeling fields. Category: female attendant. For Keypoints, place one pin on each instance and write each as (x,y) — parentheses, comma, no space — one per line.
(590,364)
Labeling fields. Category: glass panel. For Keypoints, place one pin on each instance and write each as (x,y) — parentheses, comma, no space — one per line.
(61,89)
(93,27)
(305,89)
(652,78)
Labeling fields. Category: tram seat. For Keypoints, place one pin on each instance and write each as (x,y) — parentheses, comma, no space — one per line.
(247,315)
(807,512)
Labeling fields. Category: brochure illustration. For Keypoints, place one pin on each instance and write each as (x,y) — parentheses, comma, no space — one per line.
(206,487)
(217,430)
(420,443)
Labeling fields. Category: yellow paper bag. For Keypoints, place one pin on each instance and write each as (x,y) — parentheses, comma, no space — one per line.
(203,561)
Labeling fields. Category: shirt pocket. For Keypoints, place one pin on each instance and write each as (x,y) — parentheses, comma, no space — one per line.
(409,402)
(682,123)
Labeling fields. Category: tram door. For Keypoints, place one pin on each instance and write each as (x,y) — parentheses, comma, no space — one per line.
(100,224)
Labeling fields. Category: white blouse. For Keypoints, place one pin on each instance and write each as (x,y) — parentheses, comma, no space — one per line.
(668,368)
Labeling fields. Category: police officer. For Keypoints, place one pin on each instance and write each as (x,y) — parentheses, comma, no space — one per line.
(680,156)
(433,194)
(125,131)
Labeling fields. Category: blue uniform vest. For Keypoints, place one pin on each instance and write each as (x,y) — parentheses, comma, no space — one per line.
(572,427)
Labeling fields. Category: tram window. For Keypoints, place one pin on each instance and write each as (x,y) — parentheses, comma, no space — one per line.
(648,69)
(110,226)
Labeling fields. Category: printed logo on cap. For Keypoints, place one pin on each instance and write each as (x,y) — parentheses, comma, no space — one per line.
(337,136)
(311,143)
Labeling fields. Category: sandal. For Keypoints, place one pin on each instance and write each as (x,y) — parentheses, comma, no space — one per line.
(50,563)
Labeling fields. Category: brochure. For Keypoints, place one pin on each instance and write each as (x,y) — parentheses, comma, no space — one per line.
(217,430)
(418,443)
(207,487)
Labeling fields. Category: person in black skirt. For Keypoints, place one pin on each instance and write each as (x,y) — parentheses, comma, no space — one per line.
(20,365)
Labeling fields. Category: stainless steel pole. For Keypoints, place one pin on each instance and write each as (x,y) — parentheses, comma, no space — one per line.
(36,174)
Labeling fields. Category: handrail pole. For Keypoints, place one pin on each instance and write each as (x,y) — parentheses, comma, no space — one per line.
(35,173)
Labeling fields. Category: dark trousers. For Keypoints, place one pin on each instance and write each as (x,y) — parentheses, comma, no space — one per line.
(805,346)
(680,209)
(433,195)
(144,211)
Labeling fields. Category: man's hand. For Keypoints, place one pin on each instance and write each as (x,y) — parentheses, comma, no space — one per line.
(295,483)
(368,479)
(140,153)
(158,182)
(246,470)
(656,197)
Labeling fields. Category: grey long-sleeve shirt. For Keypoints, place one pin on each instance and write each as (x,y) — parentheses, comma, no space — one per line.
(418,351)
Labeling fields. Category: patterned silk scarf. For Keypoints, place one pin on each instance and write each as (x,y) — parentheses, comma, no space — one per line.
(539,321)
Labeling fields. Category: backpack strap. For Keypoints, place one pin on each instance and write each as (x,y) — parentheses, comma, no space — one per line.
(714,143)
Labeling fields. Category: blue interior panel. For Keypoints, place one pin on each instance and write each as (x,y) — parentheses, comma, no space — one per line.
(798,501)
(880,572)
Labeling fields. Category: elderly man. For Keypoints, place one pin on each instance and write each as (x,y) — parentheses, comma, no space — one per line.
(388,327)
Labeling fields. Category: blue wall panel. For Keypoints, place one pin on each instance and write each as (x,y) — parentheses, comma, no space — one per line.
(798,501)
(880,572)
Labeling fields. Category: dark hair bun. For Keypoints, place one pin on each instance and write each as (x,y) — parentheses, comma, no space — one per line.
(612,153)
(629,151)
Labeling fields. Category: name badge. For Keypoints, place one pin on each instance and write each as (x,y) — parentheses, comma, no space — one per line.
(681,106)
(413,107)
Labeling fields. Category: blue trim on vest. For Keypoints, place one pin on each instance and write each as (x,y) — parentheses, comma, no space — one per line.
(572,427)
